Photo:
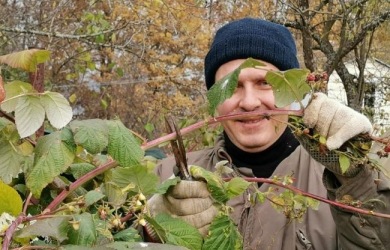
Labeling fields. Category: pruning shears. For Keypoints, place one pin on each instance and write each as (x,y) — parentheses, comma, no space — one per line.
(178,149)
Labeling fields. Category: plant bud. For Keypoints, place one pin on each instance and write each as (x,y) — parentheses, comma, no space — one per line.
(142,222)
(141,197)
(75,224)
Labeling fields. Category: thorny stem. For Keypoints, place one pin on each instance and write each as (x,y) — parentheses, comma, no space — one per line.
(80,181)
(316,197)
(219,119)
(27,202)
(11,229)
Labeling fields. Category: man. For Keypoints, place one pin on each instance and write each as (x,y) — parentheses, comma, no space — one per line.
(266,147)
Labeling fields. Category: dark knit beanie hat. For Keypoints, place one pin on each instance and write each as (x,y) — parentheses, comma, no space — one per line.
(249,37)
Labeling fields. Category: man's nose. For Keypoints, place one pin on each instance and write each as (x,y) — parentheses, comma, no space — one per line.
(250,100)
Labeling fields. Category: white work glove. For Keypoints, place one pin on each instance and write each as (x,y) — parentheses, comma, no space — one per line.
(188,200)
(335,121)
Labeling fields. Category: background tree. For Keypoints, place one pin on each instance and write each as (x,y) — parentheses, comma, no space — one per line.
(340,31)
(140,60)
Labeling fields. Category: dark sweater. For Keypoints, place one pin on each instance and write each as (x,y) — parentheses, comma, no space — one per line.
(263,163)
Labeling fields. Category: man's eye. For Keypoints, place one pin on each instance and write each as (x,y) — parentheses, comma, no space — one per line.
(262,83)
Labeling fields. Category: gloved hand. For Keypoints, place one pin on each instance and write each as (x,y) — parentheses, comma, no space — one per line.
(337,122)
(188,200)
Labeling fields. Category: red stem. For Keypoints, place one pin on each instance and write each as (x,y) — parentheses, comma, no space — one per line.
(214,120)
(83,179)
(316,197)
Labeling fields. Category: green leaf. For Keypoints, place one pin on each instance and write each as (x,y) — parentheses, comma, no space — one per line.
(177,232)
(93,196)
(86,234)
(58,111)
(13,89)
(123,146)
(223,234)
(344,163)
(115,195)
(149,127)
(55,227)
(4,123)
(288,86)
(225,87)
(26,59)
(80,169)
(130,235)
(91,134)
(236,186)
(53,155)
(215,184)
(163,187)
(29,115)
(11,162)
(10,200)
(142,180)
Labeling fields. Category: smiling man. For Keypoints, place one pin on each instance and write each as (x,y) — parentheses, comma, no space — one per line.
(266,147)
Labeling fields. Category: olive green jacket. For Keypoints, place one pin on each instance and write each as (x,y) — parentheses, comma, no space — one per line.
(262,227)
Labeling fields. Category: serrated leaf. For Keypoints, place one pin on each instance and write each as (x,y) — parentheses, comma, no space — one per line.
(130,235)
(53,155)
(10,200)
(288,86)
(144,181)
(55,227)
(344,162)
(10,161)
(26,59)
(86,234)
(236,186)
(225,87)
(223,234)
(13,89)
(91,134)
(215,184)
(29,115)
(123,146)
(115,195)
(163,187)
(176,231)
(58,111)
(92,197)
(80,169)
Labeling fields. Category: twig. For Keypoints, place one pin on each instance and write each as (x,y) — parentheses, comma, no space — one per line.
(83,179)
(10,231)
(316,197)
(214,120)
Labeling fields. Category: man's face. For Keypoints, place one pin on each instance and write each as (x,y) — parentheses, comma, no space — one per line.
(252,94)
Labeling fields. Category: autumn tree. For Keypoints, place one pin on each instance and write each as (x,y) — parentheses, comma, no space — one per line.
(141,60)
(339,31)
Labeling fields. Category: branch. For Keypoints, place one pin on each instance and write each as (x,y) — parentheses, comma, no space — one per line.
(214,120)
(316,197)
(89,176)
(59,35)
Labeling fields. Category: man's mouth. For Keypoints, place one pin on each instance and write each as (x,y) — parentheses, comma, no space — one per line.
(249,121)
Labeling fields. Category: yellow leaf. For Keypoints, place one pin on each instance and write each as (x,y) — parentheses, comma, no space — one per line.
(10,201)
